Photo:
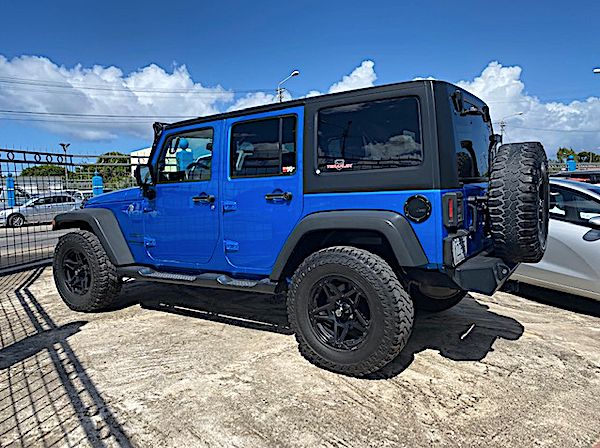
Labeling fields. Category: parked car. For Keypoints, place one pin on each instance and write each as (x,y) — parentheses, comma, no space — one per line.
(358,205)
(572,260)
(588,176)
(37,210)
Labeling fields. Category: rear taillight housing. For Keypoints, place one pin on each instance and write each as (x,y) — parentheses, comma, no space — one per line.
(453,209)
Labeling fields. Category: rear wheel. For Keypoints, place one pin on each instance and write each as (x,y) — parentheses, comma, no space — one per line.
(16,220)
(348,310)
(433,299)
(518,201)
(84,275)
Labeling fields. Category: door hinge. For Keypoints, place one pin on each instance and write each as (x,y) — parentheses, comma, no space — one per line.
(232,246)
(229,206)
(149,242)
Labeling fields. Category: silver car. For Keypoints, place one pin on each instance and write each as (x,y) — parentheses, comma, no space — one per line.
(572,260)
(36,210)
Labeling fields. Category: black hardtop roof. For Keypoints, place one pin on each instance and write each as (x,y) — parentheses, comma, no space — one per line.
(315,99)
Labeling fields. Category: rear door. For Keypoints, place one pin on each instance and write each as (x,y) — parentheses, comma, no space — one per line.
(262,188)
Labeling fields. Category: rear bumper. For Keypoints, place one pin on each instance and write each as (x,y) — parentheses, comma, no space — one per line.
(482,273)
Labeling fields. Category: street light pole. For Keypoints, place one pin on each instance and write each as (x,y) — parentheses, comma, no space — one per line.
(64,147)
(280,89)
(502,122)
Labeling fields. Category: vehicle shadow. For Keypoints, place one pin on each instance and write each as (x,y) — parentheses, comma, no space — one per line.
(440,331)
(563,300)
(466,332)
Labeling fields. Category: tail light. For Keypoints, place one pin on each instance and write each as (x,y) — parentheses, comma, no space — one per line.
(453,206)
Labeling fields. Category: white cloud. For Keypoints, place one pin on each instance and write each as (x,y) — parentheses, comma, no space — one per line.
(102,91)
(152,91)
(555,124)
(362,76)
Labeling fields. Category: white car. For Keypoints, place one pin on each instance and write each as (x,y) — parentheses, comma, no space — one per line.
(38,210)
(571,263)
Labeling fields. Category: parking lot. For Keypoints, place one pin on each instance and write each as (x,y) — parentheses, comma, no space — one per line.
(222,370)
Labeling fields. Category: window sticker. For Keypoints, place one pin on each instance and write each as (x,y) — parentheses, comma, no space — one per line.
(339,164)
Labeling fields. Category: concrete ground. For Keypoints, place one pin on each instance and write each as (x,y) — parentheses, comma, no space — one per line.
(227,374)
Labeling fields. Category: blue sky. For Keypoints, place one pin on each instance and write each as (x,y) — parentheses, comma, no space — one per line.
(251,45)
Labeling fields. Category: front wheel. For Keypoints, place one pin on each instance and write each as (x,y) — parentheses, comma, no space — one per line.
(348,310)
(84,275)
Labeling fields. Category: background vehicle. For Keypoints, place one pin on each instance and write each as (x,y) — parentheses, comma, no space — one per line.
(40,209)
(588,176)
(359,205)
(572,260)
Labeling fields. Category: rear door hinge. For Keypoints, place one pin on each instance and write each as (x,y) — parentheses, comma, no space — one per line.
(231,246)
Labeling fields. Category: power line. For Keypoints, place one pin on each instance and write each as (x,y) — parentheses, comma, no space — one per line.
(66,85)
(556,130)
(66,114)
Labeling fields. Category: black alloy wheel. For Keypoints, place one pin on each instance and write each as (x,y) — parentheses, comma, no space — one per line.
(339,313)
(77,272)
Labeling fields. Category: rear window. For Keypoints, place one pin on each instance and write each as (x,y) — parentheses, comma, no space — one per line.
(369,136)
(472,143)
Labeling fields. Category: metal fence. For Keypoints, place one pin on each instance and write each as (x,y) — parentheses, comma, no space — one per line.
(36,186)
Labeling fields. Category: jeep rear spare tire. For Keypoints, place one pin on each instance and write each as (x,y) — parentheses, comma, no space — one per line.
(518,202)
(348,310)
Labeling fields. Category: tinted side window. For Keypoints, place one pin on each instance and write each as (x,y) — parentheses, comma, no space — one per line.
(263,147)
(369,136)
(187,157)
(571,206)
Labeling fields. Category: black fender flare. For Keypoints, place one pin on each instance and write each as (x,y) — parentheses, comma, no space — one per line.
(393,226)
(103,223)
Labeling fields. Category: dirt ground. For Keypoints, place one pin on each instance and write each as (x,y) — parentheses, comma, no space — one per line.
(222,370)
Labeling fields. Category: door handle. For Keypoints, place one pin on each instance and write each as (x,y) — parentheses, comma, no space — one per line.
(285,196)
(206,198)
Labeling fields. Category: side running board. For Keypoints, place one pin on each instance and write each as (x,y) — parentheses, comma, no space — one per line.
(206,280)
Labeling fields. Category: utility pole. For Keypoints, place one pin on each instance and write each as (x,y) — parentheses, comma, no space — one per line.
(280,89)
(64,147)
(502,122)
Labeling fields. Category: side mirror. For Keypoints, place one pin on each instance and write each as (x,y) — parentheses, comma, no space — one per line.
(595,222)
(143,175)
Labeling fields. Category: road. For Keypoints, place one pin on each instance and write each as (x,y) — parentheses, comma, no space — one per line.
(220,369)
(26,244)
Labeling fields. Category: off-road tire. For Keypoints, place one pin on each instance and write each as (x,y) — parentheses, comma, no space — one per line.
(391,316)
(105,283)
(15,220)
(518,200)
(424,302)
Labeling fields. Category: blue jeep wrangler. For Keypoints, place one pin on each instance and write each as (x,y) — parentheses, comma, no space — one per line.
(360,206)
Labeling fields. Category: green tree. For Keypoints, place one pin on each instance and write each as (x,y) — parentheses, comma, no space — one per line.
(563,153)
(43,170)
(588,157)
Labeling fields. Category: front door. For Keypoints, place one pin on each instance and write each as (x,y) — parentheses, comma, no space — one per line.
(262,192)
(181,225)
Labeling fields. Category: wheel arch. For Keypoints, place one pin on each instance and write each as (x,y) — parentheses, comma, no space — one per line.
(398,243)
(102,223)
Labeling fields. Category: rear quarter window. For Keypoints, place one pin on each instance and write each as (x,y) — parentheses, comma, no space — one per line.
(369,135)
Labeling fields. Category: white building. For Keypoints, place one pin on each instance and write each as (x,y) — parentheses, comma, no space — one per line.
(139,157)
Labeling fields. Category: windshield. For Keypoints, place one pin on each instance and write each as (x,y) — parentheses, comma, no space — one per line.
(29,202)
(472,143)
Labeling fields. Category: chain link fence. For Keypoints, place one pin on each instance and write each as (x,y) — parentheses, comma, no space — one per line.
(36,186)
